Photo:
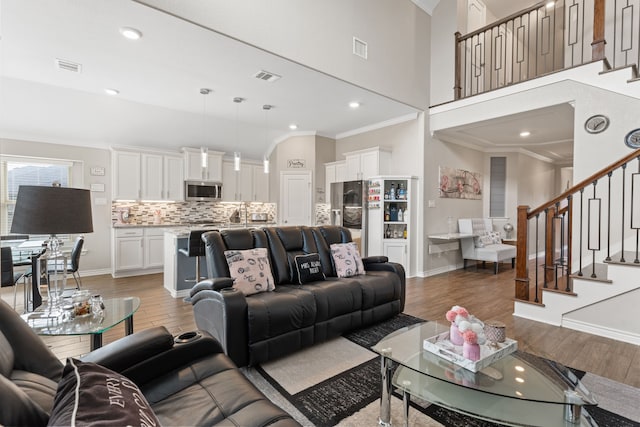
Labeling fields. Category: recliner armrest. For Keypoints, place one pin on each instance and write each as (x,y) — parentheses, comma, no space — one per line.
(215,284)
(132,349)
(374,260)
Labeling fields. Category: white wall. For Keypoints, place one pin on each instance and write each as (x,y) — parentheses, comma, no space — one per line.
(296,147)
(98,243)
(319,35)
(443,38)
(325,153)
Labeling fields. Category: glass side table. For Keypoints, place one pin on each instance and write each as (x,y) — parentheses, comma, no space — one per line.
(116,310)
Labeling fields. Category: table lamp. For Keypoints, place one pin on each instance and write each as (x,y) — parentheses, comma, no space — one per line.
(52,211)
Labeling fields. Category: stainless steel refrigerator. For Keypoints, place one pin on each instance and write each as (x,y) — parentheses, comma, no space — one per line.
(348,209)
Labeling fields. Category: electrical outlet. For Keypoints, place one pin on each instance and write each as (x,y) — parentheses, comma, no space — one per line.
(431,204)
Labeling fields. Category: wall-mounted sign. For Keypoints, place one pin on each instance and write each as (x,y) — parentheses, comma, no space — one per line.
(296,163)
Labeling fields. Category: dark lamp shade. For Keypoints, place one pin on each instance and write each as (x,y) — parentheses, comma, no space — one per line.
(52,210)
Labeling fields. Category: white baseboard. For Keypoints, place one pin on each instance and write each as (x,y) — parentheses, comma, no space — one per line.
(603,331)
(440,270)
(179,294)
(136,272)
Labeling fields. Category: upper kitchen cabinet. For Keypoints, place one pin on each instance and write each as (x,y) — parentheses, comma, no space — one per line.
(249,184)
(364,164)
(147,175)
(194,169)
(126,175)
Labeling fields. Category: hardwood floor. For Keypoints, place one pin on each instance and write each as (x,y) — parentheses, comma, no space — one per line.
(484,294)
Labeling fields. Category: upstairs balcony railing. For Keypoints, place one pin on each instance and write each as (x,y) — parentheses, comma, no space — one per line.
(546,38)
(595,222)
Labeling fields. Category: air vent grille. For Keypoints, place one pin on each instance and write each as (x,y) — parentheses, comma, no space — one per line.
(63,64)
(359,48)
(267,76)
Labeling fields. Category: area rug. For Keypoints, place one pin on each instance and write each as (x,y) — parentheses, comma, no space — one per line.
(338,383)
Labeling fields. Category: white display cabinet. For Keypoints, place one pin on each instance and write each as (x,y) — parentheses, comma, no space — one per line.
(392,208)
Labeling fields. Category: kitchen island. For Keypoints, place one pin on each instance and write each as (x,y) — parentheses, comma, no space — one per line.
(178,267)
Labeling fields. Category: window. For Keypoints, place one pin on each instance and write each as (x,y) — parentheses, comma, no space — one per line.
(497,187)
(25,171)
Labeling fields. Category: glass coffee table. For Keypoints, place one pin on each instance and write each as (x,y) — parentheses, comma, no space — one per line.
(115,311)
(510,391)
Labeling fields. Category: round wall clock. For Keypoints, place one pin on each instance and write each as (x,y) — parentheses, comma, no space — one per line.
(596,124)
(633,139)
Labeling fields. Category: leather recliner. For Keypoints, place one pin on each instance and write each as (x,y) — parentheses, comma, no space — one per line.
(190,383)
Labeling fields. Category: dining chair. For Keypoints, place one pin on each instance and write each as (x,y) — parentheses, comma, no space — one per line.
(9,278)
(75,261)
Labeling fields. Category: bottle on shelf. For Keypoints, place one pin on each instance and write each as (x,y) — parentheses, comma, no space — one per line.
(393,212)
(400,214)
(405,215)
(392,191)
(387,214)
(402,195)
(404,233)
(387,232)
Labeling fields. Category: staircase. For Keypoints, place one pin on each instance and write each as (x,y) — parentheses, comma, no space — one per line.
(593,231)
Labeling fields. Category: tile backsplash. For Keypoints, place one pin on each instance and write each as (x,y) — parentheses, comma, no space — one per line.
(148,213)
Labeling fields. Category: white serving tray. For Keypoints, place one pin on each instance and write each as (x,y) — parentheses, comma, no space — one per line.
(442,347)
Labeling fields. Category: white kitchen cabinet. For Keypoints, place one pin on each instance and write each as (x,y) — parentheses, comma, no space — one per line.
(137,251)
(396,252)
(153,248)
(126,175)
(152,177)
(364,164)
(147,175)
(333,172)
(173,178)
(193,165)
(241,186)
(260,184)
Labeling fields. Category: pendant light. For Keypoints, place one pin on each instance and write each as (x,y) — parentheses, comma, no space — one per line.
(265,160)
(204,151)
(236,154)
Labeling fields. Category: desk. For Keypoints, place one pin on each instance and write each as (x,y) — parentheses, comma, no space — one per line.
(116,310)
(450,236)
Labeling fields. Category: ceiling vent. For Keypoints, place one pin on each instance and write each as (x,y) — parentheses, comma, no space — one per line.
(359,48)
(267,76)
(63,64)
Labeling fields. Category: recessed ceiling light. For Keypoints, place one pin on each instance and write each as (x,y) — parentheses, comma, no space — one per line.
(112,92)
(354,104)
(525,134)
(130,33)
(293,126)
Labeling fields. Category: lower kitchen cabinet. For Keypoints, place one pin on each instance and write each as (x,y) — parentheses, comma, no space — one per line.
(136,251)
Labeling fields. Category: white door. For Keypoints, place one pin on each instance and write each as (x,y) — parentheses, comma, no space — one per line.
(295,198)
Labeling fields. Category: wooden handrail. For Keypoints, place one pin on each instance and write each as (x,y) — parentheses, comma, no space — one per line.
(503,20)
(584,183)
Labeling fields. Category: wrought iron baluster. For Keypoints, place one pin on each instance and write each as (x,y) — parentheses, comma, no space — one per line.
(593,243)
(581,230)
(635,186)
(608,258)
(624,171)
(536,261)
(569,240)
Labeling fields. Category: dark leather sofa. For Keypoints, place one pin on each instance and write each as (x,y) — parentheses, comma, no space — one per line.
(185,383)
(264,326)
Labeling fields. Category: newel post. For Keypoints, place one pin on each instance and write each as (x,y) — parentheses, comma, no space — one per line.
(597,46)
(457,87)
(522,257)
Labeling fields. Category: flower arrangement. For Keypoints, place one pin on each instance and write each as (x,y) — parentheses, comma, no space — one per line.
(466,330)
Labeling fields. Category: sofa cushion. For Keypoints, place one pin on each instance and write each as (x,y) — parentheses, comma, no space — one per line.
(286,309)
(250,270)
(346,259)
(496,252)
(335,297)
(90,394)
(308,268)
(378,288)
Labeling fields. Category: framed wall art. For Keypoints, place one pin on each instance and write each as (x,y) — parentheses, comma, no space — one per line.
(460,184)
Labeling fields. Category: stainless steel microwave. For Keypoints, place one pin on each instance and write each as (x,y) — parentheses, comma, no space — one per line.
(202,191)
